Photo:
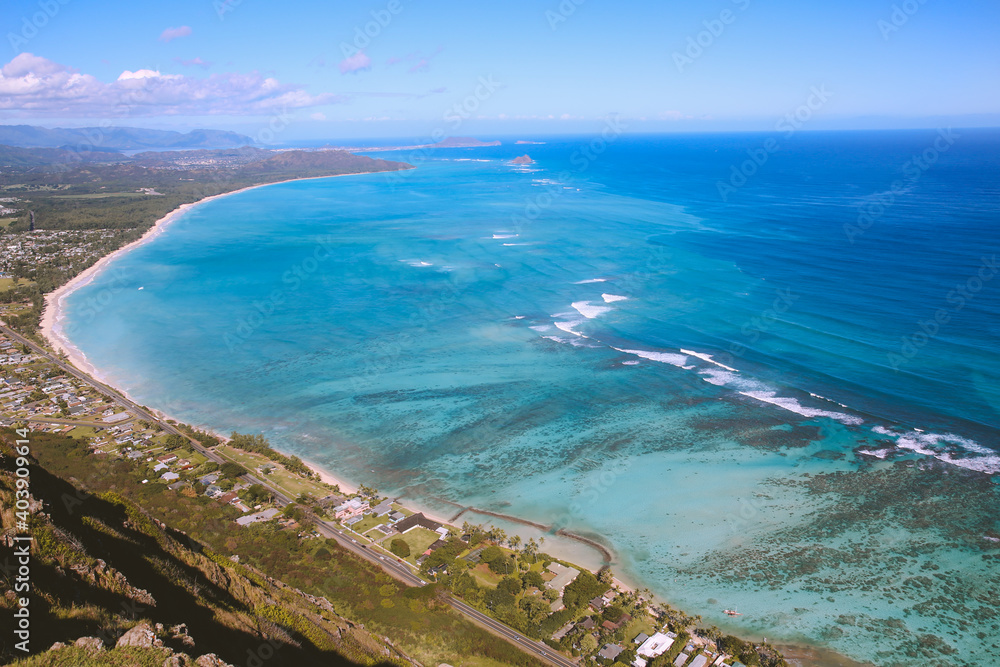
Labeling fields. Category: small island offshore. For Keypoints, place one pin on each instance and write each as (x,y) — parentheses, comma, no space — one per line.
(153,542)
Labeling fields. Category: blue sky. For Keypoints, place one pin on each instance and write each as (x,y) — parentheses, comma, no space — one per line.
(511,68)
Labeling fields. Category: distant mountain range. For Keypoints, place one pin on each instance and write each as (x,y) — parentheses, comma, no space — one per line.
(117,138)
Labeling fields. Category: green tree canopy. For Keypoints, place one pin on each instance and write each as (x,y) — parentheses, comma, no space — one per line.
(400,547)
(232,470)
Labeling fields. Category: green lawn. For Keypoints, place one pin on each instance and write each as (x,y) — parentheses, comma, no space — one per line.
(484,576)
(367,523)
(284,480)
(419,539)
(82,432)
(7,283)
(102,195)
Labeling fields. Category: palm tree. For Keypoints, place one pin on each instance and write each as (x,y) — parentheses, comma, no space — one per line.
(514,542)
(531,548)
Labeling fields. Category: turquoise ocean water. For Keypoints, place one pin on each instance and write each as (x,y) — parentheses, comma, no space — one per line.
(773,386)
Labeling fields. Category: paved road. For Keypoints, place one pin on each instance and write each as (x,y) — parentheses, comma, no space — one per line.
(70,422)
(399,570)
(134,408)
(404,573)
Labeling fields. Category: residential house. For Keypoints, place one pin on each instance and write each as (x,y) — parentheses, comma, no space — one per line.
(266,515)
(382,508)
(415,520)
(210,479)
(169,476)
(564,575)
(610,651)
(350,509)
(654,646)
(562,632)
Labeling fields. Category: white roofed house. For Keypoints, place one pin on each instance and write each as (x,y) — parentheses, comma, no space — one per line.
(654,646)
(350,509)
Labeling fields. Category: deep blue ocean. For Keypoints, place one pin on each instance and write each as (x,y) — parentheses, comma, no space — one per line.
(761,368)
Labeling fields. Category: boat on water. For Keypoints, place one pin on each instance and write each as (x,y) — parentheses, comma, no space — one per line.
(731,612)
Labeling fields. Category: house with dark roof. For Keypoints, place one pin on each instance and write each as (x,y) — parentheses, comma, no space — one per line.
(415,520)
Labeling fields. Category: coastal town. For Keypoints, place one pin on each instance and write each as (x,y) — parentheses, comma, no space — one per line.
(586,617)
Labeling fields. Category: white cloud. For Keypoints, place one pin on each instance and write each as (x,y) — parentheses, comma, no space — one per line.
(356,63)
(171,34)
(319,115)
(37,86)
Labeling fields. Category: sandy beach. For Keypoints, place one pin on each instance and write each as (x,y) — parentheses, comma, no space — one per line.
(51,326)
(52,313)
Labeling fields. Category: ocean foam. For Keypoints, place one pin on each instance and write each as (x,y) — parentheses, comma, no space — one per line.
(678,360)
(793,405)
(505,236)
(936,445)
(611,298)
(717,377)
(568,326)
(877,453)
(709,359)
(588,310)
(541,327)
(592,280)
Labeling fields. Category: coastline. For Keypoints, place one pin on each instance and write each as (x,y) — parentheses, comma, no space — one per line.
(54,314)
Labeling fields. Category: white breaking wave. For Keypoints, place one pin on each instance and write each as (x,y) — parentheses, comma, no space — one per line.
(505,236)
(568,327)
(793,405)
(589,310)
(877,453)
(932,444)
(678,360)
(541,327)
(709,359)
(592,280)
(717,377)
(611,298)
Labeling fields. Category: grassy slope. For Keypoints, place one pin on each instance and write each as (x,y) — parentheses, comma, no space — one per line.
(193,580)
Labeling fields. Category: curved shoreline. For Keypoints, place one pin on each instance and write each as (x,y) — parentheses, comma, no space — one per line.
(54,314)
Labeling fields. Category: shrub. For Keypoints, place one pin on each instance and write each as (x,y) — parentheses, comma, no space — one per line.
(232,470)
(400,548)
(510,584)
(532,578)
(582,589)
